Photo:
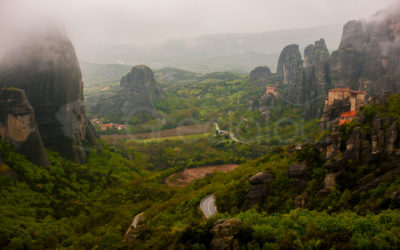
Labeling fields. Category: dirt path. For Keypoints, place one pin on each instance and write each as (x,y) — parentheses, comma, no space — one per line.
(183,178)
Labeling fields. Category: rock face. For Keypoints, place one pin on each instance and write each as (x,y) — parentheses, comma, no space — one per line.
(262,76)
(371,145)
(316,78)
(48,71)
(259,188)
(367,59)
(332,113)
(290,73)
(368,56)
(224,232)
(138,92)
(383,135)
(18,125)
(298,175)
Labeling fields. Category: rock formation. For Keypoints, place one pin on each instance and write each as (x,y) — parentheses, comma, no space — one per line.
(367,59)
(368,56)
(259,73)
(259,188)
(316,78)
(373,143)
(18,125)
(47,68)
(290,74)
(136,96)
(224,232)
(298,175)
(263,76)
(331,113)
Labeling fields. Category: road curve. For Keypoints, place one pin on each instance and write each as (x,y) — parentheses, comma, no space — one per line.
(138,218)
(208,207)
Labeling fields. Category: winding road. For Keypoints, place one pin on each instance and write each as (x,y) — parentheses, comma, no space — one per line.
(207,206)
(231,134)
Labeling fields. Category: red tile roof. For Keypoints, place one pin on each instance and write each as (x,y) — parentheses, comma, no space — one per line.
(349,114)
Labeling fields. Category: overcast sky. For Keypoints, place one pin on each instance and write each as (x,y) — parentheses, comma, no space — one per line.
(152,21)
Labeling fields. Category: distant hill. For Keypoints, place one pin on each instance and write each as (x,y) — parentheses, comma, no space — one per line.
(94,74)
(238,52)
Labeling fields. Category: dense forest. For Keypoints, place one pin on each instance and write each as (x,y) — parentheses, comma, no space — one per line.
(72,205)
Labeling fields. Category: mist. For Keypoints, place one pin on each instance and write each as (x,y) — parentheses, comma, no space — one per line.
(93,26)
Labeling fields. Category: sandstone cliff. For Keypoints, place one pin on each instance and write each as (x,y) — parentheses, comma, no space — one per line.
(47,68)
(18,125)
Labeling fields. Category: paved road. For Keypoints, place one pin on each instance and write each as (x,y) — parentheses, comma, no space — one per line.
(207,206)
(231,134)
(138,218)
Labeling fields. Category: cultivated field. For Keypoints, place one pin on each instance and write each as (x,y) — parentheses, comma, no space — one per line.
(175,132)
(183,178)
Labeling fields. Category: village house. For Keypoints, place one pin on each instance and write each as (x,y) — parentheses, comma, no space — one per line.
(271,90)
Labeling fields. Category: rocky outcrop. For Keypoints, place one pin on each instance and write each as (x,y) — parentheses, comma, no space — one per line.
(332,113)
(47,69)
(383,135)
(298,175)
(290,74)
(136,96)
(259,188)
(140,79)
(260,73)
(368,54)
(224,232)
(262,76)
(357,146)
(316,78)
(18,126)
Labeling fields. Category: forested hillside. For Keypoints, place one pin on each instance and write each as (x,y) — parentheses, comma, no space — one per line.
(91,205)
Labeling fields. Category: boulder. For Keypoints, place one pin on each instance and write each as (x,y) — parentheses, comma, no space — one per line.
(18,126)
(47,69)
(259,188)
(224,232)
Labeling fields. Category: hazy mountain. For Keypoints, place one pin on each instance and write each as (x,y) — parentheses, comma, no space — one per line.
(238,52)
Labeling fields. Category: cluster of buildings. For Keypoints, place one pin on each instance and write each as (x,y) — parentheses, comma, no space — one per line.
(271,90)
(108,126)
(356,98)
